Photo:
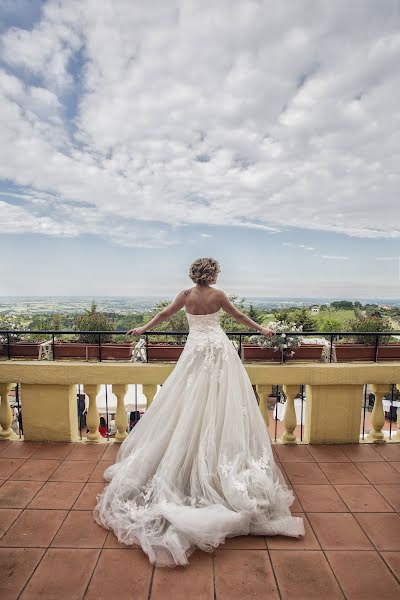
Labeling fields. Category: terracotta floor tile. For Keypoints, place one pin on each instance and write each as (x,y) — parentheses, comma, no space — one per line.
(363,575)
(389,451)
(17,565)
(53,450)
(111,451)
(4,444)
(391,493)
(240,575)
(304,575)
(79,530)
(320,498)
(339,531)
(342,473)
(62,574)
(8,466)
(7,517)
(363,498)
(194,580)
(33,529)
(379,472)
(20,449)
(282,470)
(382,528)
(392,559)
(17,494)
(87,451)
(132,571)
(293,453)
(112,542)
(361,452)
(57,494)
(97,474)
(244,542)
(304,473)
(306,542)
(87,497)
(296,506)
(395,465)
(73,470)
(35,470)
(327,453)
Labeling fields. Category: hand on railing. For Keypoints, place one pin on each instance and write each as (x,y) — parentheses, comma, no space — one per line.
(136,331)
(265,331)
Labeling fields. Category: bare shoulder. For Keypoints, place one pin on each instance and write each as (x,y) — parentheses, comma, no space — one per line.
(186,292)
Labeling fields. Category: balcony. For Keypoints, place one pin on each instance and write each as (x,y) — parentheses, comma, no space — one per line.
(50,547)
(347,488)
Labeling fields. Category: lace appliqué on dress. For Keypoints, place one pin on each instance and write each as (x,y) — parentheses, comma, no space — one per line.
(260,464)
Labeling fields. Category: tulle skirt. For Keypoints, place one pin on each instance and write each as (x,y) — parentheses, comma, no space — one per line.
(198,467)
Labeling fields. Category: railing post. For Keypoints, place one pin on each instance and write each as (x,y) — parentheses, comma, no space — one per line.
(8,347)
(121,419)
(376,348)
(290,419)
(92,417)
(377,416)
(263,392)
(6,416)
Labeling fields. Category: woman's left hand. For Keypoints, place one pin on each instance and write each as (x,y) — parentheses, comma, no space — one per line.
(136,331)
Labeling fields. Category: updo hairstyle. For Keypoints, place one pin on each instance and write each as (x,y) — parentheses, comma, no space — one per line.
(204,271)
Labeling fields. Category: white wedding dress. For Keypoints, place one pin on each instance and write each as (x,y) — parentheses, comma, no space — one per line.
(198,467)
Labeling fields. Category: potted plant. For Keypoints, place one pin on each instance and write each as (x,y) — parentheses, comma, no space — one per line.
(281,343)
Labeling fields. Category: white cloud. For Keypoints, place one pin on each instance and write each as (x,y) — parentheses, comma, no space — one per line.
(250,114)
(205,235)
(334,257)
(387,257)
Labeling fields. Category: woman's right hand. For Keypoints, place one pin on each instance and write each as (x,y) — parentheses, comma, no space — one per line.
(136,331)
(267,332)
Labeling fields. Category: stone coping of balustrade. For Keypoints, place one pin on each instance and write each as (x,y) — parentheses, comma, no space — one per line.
(62,373)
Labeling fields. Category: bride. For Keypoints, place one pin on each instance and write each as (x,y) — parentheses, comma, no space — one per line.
(198,467)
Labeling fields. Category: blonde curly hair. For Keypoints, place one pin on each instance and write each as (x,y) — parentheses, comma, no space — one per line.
(204,271)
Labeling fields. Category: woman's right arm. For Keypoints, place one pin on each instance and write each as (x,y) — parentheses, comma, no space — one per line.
(231,309)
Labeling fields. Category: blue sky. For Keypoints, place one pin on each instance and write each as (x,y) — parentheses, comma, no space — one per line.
(137,138)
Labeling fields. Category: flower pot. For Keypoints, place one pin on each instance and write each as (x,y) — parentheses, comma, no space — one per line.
(164,352)
(22,350)
(254,352)
(307,352)
(364,352)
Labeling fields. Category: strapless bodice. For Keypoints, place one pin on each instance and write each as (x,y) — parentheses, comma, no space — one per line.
(206,322)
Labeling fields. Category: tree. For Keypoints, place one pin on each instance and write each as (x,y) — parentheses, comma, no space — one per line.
(366,324)
(93,320)
(254,314)
(344,304)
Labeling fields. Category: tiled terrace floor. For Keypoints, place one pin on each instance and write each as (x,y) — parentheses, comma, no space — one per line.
(50,547)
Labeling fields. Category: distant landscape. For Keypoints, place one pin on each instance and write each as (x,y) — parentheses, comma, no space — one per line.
(112,314)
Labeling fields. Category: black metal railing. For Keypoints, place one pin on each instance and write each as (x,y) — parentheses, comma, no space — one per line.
(235,334)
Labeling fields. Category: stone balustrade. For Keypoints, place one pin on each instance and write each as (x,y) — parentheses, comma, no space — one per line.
(334,397)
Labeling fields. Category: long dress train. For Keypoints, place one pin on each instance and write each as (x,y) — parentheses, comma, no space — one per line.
(198,467)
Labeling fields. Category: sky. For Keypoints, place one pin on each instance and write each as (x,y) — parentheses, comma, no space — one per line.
(138,136)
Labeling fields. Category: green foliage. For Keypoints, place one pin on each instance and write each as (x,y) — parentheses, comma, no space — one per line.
(331,323)
(300,316)
(366,324)
(255,314)
(347,304)
(177,322)
(93,320)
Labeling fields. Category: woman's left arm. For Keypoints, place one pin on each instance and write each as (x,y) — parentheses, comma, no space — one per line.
(177,303)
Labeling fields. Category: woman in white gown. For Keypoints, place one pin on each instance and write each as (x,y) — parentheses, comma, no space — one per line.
(198,467)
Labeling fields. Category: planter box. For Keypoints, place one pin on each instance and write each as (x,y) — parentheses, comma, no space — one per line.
(363,352)
(164,352)
(22,350)
(305,352)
